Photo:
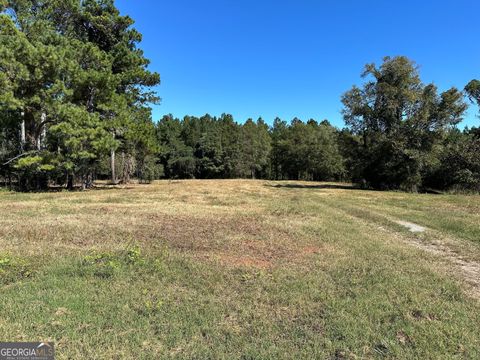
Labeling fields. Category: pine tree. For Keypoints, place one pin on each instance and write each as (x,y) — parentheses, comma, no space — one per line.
(74,84)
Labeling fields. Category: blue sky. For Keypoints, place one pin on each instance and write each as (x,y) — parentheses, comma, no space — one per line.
(292,58)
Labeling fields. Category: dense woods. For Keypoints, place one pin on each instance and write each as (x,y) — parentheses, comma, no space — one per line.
(209,147)
(75,106)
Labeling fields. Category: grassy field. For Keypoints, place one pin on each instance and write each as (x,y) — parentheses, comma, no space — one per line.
(237,269)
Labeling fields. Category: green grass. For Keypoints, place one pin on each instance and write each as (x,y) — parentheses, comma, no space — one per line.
(238,270)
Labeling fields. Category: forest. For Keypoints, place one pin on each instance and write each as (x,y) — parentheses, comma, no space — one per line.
(75,97)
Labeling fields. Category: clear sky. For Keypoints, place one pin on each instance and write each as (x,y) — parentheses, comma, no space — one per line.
(292,58)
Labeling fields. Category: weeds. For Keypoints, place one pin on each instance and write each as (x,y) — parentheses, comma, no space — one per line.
(102,265)
(13,269)
(108,264)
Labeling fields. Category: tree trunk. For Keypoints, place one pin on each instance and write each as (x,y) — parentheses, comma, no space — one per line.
(69,181)
(88,183)
(123,168)
(112,165)
(127,169)
(23,136)
(42,132)
(112,162)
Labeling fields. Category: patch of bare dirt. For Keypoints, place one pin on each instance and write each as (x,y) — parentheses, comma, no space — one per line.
(411,226)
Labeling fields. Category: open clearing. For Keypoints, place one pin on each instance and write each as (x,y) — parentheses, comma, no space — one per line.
(241,269)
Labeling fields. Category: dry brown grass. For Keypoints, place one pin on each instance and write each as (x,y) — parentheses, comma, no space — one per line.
(225,220)
(235,222)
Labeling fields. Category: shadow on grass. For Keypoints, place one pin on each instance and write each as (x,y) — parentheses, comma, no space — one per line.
(345,187)
(316,186)
(63,188)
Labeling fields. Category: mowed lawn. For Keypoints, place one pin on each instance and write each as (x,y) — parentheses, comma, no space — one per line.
(238,269)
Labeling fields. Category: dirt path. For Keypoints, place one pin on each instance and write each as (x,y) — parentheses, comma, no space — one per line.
(464,269)
(468,270)
(411,226)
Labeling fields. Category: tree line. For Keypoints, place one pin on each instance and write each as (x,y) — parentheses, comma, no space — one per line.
(210,147)
(75,97)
